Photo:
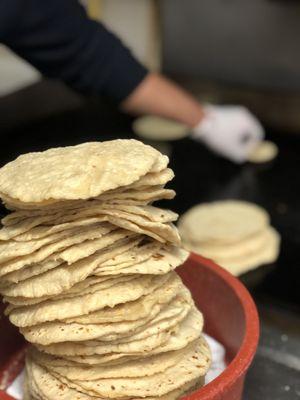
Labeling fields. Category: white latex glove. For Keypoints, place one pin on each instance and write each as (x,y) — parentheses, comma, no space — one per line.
(231,131)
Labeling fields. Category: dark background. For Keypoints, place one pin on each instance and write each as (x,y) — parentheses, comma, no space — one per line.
(238,42)
(237,51)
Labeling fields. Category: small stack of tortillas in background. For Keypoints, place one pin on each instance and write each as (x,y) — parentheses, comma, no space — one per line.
(235,234)
(87,269)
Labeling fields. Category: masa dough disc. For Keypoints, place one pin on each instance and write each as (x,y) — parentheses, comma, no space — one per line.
(156,128)
(264,152)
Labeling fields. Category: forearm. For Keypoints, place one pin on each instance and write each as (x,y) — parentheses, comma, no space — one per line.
(157,95)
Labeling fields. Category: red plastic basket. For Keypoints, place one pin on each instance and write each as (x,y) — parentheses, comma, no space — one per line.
(230,317)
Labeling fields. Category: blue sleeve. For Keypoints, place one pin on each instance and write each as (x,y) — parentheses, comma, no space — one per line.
(60,40)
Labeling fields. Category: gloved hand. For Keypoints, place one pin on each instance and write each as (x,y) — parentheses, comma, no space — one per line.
(231,131)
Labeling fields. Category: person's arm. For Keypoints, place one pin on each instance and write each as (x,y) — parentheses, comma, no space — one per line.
(231,131)
(158,95)
(59,39)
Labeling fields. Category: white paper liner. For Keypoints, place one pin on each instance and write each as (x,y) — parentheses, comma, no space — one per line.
(218,366)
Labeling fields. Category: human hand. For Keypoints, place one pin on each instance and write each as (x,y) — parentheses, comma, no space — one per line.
(231,131)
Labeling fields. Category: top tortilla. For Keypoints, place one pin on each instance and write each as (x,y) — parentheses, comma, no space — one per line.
(77,172)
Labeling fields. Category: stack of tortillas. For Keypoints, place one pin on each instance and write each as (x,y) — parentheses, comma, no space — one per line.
(235,234)
(86,265)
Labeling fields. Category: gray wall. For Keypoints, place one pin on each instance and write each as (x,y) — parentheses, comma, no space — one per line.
(248,42)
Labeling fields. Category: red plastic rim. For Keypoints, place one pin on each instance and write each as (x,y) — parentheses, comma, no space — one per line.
(241,362)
